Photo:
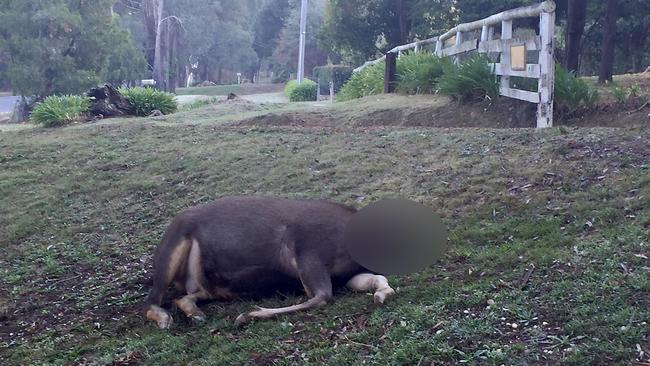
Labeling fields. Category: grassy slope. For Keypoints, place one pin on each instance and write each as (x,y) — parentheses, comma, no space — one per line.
(84,206)
(243,89)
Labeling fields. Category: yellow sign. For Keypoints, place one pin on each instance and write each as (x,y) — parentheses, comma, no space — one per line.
(518,57)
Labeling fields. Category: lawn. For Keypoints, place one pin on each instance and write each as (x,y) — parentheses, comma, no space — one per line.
(549,238)
(242,89)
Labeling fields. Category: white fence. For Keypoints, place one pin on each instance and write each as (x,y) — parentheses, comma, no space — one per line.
(512,51)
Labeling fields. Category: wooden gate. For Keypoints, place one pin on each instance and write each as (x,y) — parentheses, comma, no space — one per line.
(511,51)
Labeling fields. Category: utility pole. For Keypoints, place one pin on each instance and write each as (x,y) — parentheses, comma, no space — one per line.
(303,33)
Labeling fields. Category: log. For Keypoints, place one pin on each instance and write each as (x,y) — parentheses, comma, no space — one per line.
(106,101)
(526,12)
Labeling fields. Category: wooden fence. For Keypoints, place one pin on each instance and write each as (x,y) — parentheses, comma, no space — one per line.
(512,53)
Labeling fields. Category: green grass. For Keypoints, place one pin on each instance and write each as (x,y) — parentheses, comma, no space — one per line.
(210,90)
(84,206)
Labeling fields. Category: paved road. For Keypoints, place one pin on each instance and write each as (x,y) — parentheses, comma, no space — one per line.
(7,104)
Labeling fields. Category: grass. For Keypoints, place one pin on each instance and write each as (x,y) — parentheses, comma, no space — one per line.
(216,90)
(84,207)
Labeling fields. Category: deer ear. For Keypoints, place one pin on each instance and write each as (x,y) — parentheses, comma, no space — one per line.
(396,237)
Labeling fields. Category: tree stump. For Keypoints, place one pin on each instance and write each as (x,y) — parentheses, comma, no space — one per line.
(108,102)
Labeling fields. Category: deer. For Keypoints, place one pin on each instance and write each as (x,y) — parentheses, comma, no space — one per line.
(237,246)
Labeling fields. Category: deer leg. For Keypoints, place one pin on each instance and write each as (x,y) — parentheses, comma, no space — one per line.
(188,305)
(370,282)
(315,279)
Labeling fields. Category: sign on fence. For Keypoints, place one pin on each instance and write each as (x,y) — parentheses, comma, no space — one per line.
(511,51)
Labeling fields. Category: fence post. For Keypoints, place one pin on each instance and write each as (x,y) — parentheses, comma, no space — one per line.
(318,89)
(459,41)
(390,75)
(439,45)
(546,85)
(506,33)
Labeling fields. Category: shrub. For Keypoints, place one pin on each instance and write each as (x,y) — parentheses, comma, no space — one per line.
(473,79)
(571,92)
(145,100)
(339,74)
(305,92)
(60,110)
(369,81)
(419,72)
(289,87)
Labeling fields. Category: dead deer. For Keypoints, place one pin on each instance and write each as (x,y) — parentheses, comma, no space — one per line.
(236,246)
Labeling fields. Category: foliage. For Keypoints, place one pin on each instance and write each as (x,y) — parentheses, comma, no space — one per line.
(368,81)
(360,29)
(57,111)
(57,46)
(571,92)
(305,92)
(268,27)
(419,72)
(620,94)
(285,56)
(126,63)
(339,74)
(473,79)
(145,100)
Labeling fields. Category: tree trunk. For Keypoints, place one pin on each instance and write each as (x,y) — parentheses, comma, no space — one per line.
(403,22)
(159,58)
(607,62)
(150,14)
(577,14)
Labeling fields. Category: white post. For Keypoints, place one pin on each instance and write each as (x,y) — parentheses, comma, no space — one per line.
(506,33)
(459,40)
(485,33)
(439,45)
(331,91)
(546,84)
(303,32)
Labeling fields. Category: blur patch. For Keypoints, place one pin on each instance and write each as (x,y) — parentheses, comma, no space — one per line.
(396,237)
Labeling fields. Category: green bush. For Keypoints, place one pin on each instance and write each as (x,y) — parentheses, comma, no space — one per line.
(289,87)
(369,81)
(145,100)
(339,74)
(571,92)
(473,79)
(418,73)
(60,110)
(305,92)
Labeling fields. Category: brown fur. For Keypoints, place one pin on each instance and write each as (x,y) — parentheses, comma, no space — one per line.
(238,246)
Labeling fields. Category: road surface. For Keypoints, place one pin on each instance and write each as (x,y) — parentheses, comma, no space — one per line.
(7,104)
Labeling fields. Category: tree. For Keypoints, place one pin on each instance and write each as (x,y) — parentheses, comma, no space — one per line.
(268,27)
(126,62)
(286,52)
(609,39)
(57,46)
(359,29)
(576,18)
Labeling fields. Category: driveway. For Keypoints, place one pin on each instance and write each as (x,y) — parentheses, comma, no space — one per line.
(7,104)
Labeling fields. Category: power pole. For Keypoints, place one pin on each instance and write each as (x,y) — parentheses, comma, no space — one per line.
(303,33)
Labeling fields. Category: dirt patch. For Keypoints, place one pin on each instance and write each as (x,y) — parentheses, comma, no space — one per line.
(440,112)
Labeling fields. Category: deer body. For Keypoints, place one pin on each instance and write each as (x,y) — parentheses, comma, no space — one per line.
(239,246)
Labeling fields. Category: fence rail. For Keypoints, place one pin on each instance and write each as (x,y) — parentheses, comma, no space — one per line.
(512,54)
